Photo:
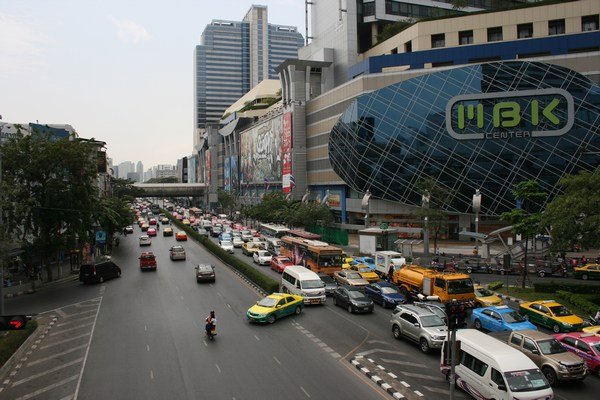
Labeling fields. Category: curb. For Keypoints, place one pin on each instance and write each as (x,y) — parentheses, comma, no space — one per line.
(41,287)
(377,379)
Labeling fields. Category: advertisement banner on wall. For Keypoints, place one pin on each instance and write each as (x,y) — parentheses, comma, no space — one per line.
(207,163)
(260,152)
(227,175)
(286,152)
(235,181)
(334,199)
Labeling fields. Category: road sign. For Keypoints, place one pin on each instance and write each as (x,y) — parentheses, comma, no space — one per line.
(100,237)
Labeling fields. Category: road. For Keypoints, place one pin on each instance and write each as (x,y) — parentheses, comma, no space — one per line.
(141,336)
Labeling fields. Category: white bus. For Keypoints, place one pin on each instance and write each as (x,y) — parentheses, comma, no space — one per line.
(273,231)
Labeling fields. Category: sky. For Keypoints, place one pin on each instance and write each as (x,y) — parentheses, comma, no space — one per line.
(120,71)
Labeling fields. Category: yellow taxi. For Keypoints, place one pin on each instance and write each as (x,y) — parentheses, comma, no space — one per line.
(365,272)
(592,329)
(552,315)
(186,222)
(486,298)
(347,262)
(275,306)
(249,248)
(181,236)
(168,231)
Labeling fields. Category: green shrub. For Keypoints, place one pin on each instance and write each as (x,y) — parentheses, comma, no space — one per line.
(581,301)
(11,342)
(553,287)
(495,285)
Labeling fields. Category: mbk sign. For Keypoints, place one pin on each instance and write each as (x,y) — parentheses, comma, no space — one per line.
(505,115)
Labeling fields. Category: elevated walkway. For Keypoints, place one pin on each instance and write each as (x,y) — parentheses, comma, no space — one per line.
(172,189)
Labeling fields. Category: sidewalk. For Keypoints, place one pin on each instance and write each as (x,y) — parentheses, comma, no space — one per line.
(27,286)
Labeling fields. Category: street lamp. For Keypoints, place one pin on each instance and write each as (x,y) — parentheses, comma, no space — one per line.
(366,200)
(425,204)
(476,209)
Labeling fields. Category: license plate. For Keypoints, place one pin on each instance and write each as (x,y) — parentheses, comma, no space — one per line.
(315,301)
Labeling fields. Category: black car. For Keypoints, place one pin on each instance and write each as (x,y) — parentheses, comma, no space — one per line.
(205,273)
(353,299)
(330,284)
(99,271)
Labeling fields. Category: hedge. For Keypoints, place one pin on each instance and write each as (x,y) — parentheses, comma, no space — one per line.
(495,285)
(12,340)
(267,283)
(580,301)
(576,288)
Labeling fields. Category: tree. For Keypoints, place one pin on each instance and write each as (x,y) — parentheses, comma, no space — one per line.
(164,179)
(227,201)
(308,214)
(573,217)
(48,193)
(526,218)
(272,208)
(436,217)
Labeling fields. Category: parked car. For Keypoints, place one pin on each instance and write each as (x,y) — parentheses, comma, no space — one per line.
(552,315)
(148,261)
(205,273)
(498,319)
(181,236)
(330,284)
(384,293)
(589,271)
(352,299)
(145,240)
(585,345)
(485,297)
(177,253)
(227,246)
(419,325)
(262,257)
(98,272)
(274,307)
(278,263)
(548,268)
(351,278)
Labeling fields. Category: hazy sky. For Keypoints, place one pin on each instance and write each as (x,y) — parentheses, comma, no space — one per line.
(120,71)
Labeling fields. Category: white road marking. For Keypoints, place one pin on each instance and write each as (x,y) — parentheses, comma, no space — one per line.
(256,337)
(377,341)
(147,347)
(79,313)
(61,313)
(418,393)
(412,364)
(305,392)
(385,386)
(276,360)
(145,328)
(41,360)
(151,374)
(398,395)
(364,353)
(47,388)
(49,371)
(75,327)
(74,321)
(405,384)
(218,369)
(392,375)
(91,334)
(219,294)
(229,305)
(64,341)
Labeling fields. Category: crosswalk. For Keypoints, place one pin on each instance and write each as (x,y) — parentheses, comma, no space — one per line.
(52,365)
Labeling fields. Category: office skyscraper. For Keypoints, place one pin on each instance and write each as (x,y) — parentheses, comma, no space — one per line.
(233,57)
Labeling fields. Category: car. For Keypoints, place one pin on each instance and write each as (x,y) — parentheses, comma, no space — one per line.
(152,221)
(594,329)
(99,271)
(216,231)
(205,273)
(246,235)
(147,261)
(365,272)
(165,221)
(274,307)
(181,236)
(550,268)
(435,307)
(351,278)
(368,261)
(552,315)
(585,345)
(129,229)
(151,232)
(589,271)
(225,236)
(237,241)
(384,293)
(177,253)
(186,222)
(249,248)
(201,231)
(145,240)
(419,325)
(227,246)
(498,319)
(346,262)
(278,263)
(262,257)
(145,227)
(485,297)
(168,231)
(330,284)
(352,299)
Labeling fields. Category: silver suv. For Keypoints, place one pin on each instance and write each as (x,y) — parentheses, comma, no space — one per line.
(419,325)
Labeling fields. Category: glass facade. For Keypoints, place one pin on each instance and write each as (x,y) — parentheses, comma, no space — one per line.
(486,127)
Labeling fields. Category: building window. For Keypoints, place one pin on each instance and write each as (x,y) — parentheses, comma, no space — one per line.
(524,31)
(438,40)
(394,50)
(369,9)
(494,34)
(408,47)
(465,37)
(589,23)
(556,27)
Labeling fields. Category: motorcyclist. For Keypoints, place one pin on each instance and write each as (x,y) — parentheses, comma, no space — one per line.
(211,323)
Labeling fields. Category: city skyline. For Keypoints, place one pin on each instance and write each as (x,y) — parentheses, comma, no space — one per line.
(117,72)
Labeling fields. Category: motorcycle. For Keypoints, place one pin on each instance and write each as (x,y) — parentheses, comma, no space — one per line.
(211,332)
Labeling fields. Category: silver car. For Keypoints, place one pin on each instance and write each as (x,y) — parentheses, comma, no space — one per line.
(177,253)
(419,325)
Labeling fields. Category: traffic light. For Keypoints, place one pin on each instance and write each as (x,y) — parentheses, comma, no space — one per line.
(13,322)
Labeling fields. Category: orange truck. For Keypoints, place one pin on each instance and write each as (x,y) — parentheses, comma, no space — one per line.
(414,280)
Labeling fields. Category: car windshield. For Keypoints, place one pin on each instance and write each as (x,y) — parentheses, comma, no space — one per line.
(312,284)
(458,286)
(284,260)
(268,302)
(363,269)
(483,292)
(595,347)
(526,381)
(551,346)
(225,243)
(368,260)
(326,279)
(431,320)
(388,290)
(512,317)
(560,311)
(356,295)
(353,275)
(204,268)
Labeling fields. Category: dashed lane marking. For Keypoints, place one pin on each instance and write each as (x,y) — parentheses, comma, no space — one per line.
(305,392)
(276,360)
(218,368)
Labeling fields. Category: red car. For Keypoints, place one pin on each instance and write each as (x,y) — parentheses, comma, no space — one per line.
(278,263)
(585,345)
(147,261)
(151,232)
(152,221)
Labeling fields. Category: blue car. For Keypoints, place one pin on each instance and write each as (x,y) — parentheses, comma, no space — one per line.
(368,261)
(499,319)
(384,293)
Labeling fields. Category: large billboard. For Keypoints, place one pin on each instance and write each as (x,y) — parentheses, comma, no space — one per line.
(227,175)
(260,152)
(286,153)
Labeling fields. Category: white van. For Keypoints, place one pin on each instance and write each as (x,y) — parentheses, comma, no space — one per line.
(487,368)
(303,282)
